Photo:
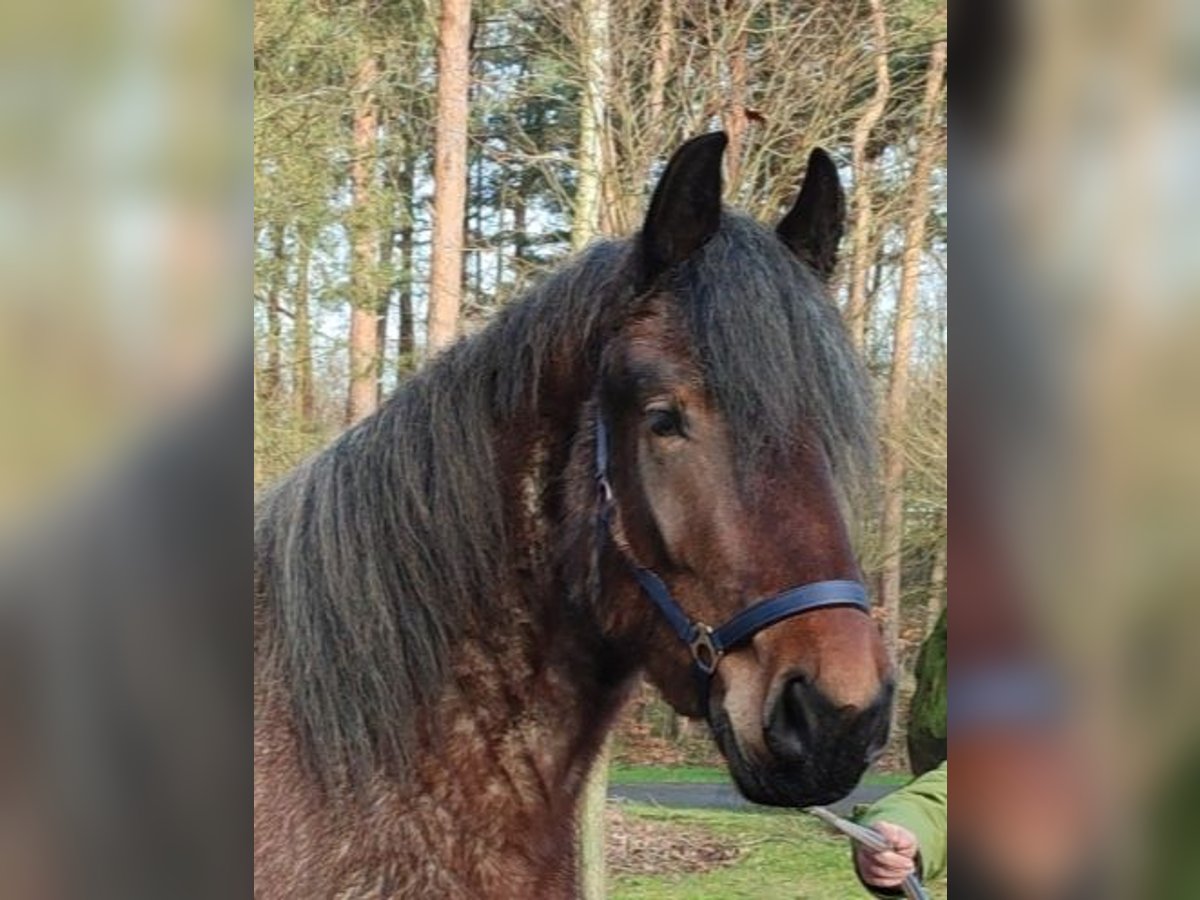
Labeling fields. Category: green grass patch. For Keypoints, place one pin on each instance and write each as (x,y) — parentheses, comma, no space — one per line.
(626,774)
(620,774)
(786,855)
(895,779)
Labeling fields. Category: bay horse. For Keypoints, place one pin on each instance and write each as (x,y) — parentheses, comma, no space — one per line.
(453,600)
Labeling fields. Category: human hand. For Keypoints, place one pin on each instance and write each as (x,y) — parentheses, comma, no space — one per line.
(887,868)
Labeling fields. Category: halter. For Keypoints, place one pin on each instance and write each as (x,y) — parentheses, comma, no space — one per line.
(706,644)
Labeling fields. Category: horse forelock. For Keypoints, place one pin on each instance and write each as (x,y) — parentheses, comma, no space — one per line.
(774,350)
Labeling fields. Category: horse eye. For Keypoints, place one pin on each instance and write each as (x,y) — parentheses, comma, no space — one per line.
(665,422)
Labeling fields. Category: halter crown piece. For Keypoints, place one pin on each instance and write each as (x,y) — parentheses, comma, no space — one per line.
(707,644)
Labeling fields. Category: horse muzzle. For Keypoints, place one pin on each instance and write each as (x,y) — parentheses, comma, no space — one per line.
(816,750)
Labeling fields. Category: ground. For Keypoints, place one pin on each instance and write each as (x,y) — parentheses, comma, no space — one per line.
(699,854)
(704,787)
(640,844)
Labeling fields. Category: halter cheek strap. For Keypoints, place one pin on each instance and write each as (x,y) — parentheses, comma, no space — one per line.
(708,645)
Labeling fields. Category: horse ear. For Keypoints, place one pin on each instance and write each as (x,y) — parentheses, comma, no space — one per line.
(685,210)
(813,226)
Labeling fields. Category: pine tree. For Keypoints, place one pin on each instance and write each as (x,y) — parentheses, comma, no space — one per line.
(450,172)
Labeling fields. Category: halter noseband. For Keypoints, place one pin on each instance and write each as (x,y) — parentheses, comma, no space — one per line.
(708,645)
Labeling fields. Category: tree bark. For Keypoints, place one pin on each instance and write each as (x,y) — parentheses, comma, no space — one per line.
(363,396)
(860,258)
(596,61)
(592,871)
(736,122)
(387,249)
(449,172)
(519,236)
(473,288)
(657,123)
(406,344)
(594,16)
(617,214)
(659,65)
(937,585)
(896,408)
(271,382)
(302,369)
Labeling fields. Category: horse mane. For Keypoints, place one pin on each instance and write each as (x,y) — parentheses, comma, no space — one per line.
(373,556)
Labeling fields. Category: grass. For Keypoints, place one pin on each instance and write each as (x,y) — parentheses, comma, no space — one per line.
(621,774)
(787,856)
(625,774)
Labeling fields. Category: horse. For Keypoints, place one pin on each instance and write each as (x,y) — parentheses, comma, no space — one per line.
(455,598)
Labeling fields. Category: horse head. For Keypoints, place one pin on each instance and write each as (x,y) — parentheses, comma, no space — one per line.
(724,404)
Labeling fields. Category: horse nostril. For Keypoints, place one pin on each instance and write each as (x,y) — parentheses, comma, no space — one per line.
(805,721)
(794,721)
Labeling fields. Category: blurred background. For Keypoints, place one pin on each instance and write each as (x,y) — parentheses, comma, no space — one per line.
(153,216)
(125,469)
(1073,448)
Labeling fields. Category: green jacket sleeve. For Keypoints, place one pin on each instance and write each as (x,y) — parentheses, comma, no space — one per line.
(920,807)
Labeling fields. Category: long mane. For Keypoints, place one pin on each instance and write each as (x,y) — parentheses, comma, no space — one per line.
(374,555)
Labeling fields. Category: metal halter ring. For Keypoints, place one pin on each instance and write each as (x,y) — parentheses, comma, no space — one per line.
(705,653)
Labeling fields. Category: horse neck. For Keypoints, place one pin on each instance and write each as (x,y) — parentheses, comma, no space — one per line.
(529,708)
(534,673)
(532,692)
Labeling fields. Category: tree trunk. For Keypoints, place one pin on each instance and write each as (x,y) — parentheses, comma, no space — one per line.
(660,64)
(271,382)
(596,61)
(396,200)
(735,120)
(860,258)
(387,248)
(656,122)
(937,585)
(617,213)
(449,172)
(519,236)
(406,343)
(592,872)
(364,350)
(595,19)
(896,408)
(302,369)
(476,232)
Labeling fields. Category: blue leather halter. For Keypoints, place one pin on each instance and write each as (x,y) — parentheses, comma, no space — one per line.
(708,645)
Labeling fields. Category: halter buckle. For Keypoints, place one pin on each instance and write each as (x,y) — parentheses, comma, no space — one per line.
(705,653)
